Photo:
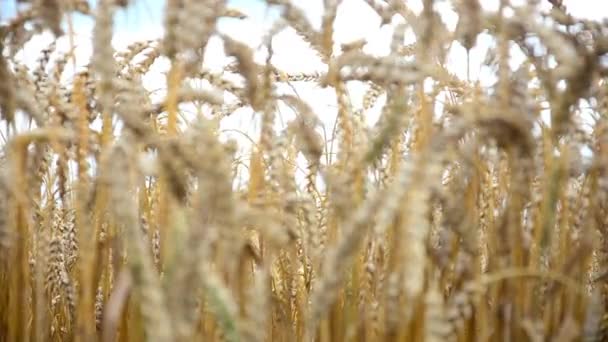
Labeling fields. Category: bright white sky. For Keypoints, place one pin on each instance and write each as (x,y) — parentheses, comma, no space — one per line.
(355,20)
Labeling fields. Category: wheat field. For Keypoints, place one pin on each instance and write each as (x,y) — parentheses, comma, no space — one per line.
(468,211)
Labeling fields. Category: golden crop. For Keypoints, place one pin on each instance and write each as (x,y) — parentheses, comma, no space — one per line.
(460,215)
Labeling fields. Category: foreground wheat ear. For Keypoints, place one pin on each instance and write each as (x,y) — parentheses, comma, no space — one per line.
(468,211)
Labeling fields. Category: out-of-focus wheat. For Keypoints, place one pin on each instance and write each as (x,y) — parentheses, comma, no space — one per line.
(461,214)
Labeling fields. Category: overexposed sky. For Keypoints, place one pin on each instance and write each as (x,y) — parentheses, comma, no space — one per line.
(143,20)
